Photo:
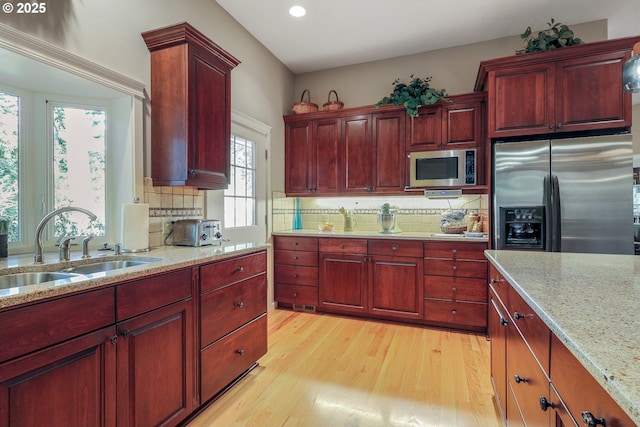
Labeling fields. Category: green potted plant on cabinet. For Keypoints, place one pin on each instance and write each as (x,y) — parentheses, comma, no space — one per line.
(413,95)
(556,36)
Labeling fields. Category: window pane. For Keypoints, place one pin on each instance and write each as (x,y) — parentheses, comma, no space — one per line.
(9,137)
(240,197)
(79,168)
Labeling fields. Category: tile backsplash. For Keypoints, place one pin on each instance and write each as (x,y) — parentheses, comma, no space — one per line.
(414,213)
(167,204)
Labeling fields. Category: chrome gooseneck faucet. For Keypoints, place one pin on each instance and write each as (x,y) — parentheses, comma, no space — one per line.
(38,258)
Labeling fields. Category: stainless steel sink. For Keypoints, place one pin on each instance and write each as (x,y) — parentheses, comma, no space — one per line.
(98,267)
(32,278)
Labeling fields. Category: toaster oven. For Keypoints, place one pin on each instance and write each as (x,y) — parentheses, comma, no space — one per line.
(197,232)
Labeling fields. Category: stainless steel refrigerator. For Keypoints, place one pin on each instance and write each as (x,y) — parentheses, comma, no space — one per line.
(569,195)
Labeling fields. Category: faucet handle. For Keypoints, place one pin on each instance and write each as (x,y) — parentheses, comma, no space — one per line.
(85,247)
(65,247)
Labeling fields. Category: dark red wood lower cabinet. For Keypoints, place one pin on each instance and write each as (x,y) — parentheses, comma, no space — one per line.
(69,384)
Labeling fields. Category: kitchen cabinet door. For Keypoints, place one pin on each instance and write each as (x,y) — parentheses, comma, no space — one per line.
(156,361)
(191,111)
(390,162)
(396,287)
(299,153)
(520,100)
(358,151)
(69,384)
(497,330)
(589,93)
(425,130)
(343,283)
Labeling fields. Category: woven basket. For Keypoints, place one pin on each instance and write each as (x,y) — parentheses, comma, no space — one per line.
(453,228)
(305,107)
(332,105)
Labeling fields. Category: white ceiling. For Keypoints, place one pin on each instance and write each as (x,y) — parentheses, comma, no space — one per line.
(335,33)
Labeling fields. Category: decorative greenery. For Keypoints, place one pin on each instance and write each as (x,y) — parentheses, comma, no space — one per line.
(413,95)
(556,36)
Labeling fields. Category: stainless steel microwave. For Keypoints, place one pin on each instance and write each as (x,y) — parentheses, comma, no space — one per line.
(442,168)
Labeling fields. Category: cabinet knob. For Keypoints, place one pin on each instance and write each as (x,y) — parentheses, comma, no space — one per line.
(240,269)
(295,275)
(590,420)
(295,294)
(545,404)
(295,258)
(125,333)
(239,304)
(454,268)
(494,281)
(113,339)
(454,312)
(551,126)
(518,379)
(517,315)
(559,125)
(240,352)
(295,243)
(454,289)
(341,245)
(455,251)
(394,247)
(503,321)
(192,172)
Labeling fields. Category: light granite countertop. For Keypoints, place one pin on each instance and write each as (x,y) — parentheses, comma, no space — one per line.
(162,259)
(592,303)
(409,235)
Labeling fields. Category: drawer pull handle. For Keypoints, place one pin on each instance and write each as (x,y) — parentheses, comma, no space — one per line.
(239,304)
(394,247)
(240,352)
(545,404)
(518,379)
(517,315)
(240,269)
(590,420)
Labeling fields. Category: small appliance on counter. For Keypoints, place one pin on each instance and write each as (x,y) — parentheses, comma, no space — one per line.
(387,219)
(197,232)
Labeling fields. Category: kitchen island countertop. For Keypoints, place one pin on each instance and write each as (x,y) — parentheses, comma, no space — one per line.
(591,303)
(164,258)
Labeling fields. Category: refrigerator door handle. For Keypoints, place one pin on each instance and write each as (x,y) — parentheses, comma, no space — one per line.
(547,199)
(556,215)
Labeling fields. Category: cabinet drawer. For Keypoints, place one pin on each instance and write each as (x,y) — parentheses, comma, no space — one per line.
(498,283)
(405,248)
(145,295)
(224,361)
(579,389)
(309,259)
(294,294)
(455,250)
(296,275)
(455,288)
(222,273)
(40,325)
(344,246)
(455,313)
(228,308)
(449,267)
(533,329)
(526,381)
(296,243)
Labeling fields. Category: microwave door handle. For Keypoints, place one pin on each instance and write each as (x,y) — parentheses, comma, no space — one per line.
(548,208)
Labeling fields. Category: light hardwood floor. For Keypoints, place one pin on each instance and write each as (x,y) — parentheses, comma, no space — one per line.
(328,371)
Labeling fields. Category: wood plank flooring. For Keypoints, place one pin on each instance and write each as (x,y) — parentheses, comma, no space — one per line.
(328,371)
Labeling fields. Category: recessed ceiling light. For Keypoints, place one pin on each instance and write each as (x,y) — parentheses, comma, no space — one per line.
(297,11)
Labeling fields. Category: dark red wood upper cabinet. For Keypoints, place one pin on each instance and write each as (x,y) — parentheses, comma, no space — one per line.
(191,108)
(578,88)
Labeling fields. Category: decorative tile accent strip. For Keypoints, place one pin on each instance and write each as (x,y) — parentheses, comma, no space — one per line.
(175,212)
